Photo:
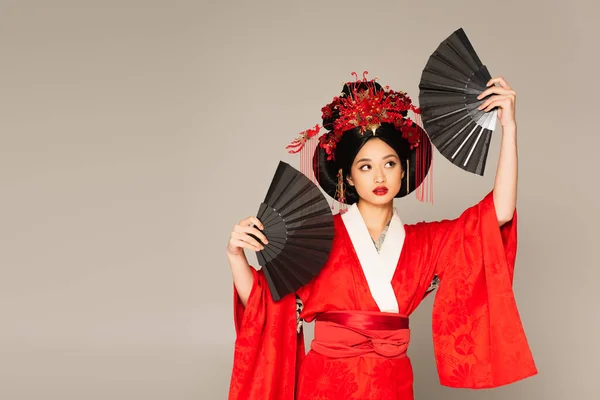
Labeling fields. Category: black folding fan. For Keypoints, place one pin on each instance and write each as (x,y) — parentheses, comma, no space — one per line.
(450,83)
(298,224)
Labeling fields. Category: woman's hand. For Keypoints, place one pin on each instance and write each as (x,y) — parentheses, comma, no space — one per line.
(240,238)
(505,184)
(504,98)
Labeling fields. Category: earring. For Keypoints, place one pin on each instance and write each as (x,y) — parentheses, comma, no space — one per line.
(407,176)
(340,191)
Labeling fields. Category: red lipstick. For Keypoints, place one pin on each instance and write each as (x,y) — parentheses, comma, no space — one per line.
(380,190)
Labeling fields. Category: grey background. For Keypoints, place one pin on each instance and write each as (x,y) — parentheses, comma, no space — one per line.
(135,134)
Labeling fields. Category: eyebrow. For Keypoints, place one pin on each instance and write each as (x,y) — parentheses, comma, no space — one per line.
(368,159)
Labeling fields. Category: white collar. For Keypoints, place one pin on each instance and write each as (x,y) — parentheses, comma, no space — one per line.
(378,268)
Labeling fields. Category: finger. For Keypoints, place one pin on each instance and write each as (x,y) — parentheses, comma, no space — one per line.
(252,221)
(242,244)
(257,223)
(495,90)
(500,81)
(244,237)
(503,103)
(510,98)
(256,233)
(487,102)
(248,223)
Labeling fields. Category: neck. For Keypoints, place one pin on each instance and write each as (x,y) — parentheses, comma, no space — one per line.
(376,216)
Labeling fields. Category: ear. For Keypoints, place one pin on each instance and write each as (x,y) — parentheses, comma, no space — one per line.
(350,181)
(402,168)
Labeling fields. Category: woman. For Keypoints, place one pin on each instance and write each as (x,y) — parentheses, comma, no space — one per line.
(379,269)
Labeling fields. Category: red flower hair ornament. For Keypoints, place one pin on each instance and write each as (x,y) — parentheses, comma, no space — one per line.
(365,107)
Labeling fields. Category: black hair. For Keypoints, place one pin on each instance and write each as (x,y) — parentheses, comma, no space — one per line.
(346,150)
(353,140)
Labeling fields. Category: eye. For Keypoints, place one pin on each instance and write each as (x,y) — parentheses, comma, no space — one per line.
(362,167)
(391,163)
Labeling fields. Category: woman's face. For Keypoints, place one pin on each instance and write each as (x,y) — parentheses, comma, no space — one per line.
(375,169)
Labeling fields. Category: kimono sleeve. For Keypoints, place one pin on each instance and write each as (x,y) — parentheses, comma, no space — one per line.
(268,350)
(478,338)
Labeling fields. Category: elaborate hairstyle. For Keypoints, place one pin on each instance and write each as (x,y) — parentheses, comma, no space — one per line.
(363,111)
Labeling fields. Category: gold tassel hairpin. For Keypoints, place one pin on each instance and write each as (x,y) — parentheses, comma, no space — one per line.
(340,190)
(407,175)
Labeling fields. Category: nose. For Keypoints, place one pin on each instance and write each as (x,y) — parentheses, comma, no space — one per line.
(379,176)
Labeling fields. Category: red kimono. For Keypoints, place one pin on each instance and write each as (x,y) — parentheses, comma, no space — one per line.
(478,338)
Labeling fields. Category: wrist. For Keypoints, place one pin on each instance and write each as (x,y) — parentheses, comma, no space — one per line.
(234,254)
(510,127)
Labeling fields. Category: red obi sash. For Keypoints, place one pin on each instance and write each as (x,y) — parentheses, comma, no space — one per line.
(361,333)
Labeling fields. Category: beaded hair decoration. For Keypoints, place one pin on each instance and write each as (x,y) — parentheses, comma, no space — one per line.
(365,106)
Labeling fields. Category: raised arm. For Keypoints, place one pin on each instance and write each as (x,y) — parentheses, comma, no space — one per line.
(505,184)
(238,241)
